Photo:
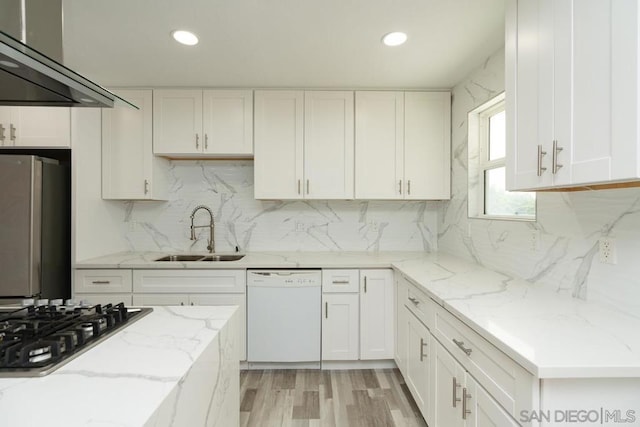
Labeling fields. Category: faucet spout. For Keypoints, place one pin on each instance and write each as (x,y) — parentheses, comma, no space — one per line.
(210,242)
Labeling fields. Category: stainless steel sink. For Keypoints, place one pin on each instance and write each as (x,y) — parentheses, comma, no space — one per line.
(206,258)
(222,258)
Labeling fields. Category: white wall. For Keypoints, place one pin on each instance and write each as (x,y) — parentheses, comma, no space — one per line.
(569,224)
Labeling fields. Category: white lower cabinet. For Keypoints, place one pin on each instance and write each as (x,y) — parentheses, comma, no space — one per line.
(376,314)
(103,299)
(340,326)
(418,361)
(459,400)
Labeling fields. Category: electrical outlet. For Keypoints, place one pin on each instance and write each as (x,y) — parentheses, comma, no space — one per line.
(607,250)
(133,225)
(535,240)
(374,226)
(299,226)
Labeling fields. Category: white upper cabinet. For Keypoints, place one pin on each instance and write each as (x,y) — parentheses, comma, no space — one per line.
(228,122)
(202,123)
(35,127)
(402,145)
(303,145)
(379,145)
(572,93)
(427,145)
(130,171)
(328,145)
(278,156)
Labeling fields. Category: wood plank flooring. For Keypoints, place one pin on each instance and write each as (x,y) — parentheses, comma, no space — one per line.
(354,398)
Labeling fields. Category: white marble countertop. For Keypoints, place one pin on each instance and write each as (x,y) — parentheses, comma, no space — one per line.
(257,260)
(550,335)
(121,381)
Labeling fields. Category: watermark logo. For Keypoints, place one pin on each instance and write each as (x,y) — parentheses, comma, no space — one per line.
(601,416)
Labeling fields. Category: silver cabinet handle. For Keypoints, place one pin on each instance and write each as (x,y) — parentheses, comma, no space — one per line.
(422,344)
(413,300)
(465,396)
(12,133)
(365,284)
(456,386)
(409,187)
(400,186)
(2,134)
(181,303)
(192,304)
(101,282)
(326,310)
(206,141)
(555,166)
(340,282)
(460,345)
(307,186)
(298,186)
(146,186)
(197,141)
(540,155)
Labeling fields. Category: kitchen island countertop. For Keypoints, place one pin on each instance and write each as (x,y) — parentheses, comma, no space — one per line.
(175,366)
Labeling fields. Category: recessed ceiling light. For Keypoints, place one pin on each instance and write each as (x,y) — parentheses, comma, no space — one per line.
(9,64)
(185,37)
(394,39)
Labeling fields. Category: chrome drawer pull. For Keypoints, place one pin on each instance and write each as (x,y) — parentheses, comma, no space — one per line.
(465,396)
(101,282)
(340,282)
(413,300)
(422,344)
(456,386)
(460,345)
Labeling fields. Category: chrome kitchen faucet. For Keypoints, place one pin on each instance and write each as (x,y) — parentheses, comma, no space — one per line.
(211,244)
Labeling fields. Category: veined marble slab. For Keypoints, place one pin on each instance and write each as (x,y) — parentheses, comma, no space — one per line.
(549,335)
(177,366)
(258,260)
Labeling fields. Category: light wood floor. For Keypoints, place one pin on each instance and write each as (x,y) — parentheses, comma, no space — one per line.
(354,398)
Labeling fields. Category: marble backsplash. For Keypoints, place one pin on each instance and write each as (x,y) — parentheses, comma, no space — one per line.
(568,225)
(255,225)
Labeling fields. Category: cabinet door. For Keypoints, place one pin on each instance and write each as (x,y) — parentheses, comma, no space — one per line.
(379,122)
(228,122)
(340,325)
(328,145)
(427,145)
(41,126)
(228,299)
(418,375)
(278,151)
(177,122)
(376,314)
(160,299)
(448,381)
(483,410)
(103,298)
(402,318)
(128,163)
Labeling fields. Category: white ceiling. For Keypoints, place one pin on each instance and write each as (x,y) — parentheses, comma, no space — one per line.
(281,43)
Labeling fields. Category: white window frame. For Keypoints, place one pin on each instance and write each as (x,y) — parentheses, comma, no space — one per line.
(479,163)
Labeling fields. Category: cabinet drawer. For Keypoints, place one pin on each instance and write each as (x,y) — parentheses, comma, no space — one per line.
(340,280)
(102,281)
(420,305)
(508,382)
(189,281)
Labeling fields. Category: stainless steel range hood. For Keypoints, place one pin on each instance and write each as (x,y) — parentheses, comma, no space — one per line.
(29,77)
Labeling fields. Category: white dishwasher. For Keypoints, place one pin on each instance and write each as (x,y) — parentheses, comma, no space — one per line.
(283,318)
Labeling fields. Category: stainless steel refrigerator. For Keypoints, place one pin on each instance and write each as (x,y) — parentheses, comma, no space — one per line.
(35,246)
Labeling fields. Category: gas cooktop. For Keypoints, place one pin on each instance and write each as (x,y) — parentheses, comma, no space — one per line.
(37,339)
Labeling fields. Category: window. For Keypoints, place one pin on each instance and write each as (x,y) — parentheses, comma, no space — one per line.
(488,197)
